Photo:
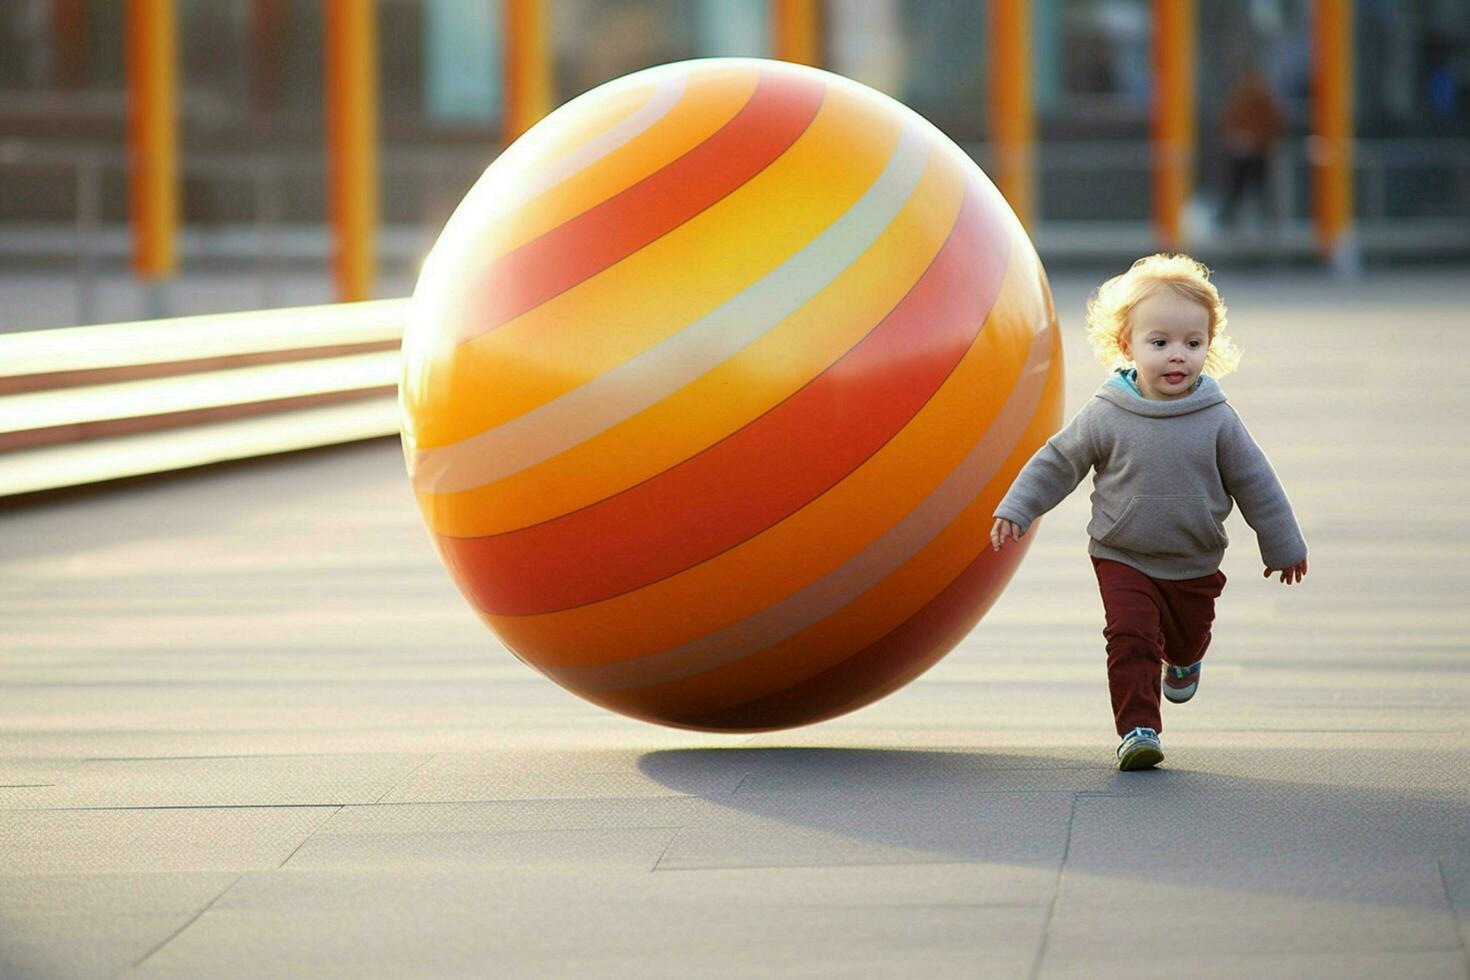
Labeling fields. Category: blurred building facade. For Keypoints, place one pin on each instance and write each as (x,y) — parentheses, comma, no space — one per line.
(251,101)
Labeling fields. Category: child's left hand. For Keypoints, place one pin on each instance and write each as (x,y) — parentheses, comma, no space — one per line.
(1295,573)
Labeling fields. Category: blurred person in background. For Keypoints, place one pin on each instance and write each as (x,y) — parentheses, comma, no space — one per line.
(1252,124)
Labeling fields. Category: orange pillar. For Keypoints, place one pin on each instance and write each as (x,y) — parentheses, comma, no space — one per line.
(1332,126)
(528,76)
(1173,117)
(796,31)
(352,144)
(1012,113)
(153,166)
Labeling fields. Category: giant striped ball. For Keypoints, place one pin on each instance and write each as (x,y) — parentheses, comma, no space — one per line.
(711,385)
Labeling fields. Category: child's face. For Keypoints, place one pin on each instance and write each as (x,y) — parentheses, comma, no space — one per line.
(1168,337)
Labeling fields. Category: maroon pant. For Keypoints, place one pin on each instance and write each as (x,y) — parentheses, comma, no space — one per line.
(1151,621)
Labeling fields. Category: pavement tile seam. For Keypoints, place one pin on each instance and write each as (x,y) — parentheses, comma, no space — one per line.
(90,946)
(405,779)
(672,838)
(1304,792)
(518,831)
(1461,912)
(193,919)
(1056,891)
(901,781)
(786,948)
(248,755)
(867,793)
(794,866)
(184,806)
(1287,965)
(14,917)
(84,895)
(304,841)
(521,799)
(918,906)
(1303,951)
(725,868)
(627,849)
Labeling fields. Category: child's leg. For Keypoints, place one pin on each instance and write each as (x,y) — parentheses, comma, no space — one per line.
(1188,613)
(1134,632)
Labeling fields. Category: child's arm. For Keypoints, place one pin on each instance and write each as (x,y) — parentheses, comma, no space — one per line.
(1046,479)
(1249,478)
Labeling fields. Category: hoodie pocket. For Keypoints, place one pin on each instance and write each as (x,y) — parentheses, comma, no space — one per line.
(1167,526)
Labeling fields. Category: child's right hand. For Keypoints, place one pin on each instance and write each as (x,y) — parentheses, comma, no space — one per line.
(1290,575)
(1000,530)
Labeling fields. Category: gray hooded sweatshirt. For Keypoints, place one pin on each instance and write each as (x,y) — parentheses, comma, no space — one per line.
(1168,474)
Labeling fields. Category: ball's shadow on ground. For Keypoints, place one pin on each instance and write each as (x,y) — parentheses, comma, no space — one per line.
(1261,835)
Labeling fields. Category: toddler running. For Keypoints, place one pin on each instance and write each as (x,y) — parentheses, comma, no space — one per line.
(1171,457)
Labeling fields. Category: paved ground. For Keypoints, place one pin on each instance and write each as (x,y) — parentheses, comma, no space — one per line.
(250,729)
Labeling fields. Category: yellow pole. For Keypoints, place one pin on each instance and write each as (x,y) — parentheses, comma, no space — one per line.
(528,76)
(352,144)
(1013,119)
(1332,123)
(796,31)
(153,184)
(1174,117)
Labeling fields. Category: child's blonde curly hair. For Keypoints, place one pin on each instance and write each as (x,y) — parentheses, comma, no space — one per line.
(1109,307)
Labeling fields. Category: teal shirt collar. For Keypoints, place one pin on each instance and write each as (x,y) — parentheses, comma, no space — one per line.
(1127,380)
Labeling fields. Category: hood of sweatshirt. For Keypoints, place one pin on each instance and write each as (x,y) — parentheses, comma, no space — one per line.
(1121,391)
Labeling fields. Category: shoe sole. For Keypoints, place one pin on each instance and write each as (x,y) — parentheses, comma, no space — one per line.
(1180,695)
(1144,757)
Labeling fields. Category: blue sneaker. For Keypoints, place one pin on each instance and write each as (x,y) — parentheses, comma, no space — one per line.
(1180,683)
(1140,749)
